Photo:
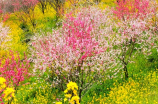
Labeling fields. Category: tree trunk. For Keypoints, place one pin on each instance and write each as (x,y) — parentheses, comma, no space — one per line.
(125,71)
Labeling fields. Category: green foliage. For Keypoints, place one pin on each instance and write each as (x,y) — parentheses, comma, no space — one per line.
(153,59)
(36,90)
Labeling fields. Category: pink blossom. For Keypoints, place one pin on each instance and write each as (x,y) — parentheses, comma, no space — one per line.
(14,70)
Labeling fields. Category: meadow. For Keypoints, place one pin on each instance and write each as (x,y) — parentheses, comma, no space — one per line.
(79,52)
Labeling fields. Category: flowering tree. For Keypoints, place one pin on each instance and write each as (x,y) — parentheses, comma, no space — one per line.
(126,9)
(73,52)
(132,30)
(14,70)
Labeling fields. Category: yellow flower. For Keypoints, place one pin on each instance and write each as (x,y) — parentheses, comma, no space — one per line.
(65,99)
(68,95)
(75,92)
(9,93)
(66,91)
(2,83)
(72,85)
(75,99)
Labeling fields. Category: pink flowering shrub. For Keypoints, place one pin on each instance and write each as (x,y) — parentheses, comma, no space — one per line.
(133,33)
(82,29)
(73,51)
(14,70)
(126,9)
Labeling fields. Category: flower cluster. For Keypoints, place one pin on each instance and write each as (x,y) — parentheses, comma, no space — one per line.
(71,93)
(126,9)
(9,93)
(6,93)
(14,70)
(2,83)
